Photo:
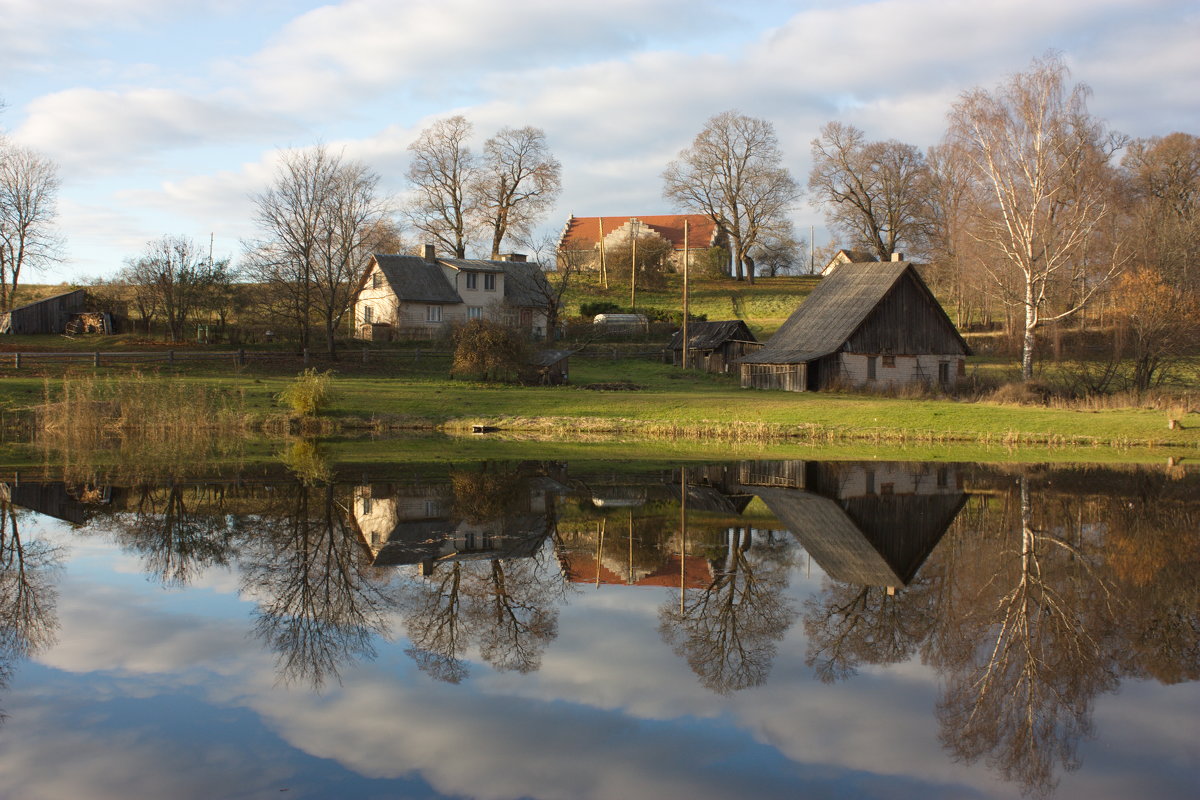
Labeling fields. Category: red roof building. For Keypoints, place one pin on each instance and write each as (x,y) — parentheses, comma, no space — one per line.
(585,233)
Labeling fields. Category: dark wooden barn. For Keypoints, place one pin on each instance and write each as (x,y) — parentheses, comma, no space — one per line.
(870,324)
(49,315)
(714,346)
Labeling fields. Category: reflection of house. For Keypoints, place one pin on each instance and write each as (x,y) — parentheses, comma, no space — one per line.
(420,525)
(402,295)
(871,524)
(588,237)
(874,324)
(55,499)
(713,346)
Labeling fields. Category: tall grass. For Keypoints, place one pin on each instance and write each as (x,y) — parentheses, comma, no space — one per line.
(89,410)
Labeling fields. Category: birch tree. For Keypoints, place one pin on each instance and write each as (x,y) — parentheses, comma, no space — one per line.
(1040,161)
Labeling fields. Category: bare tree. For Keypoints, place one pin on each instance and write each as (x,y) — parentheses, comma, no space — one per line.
(441,174)
(323,215)
(516,184)
(1040,161)
(733,172)
(873,192)
(28,190)
(1162,175)
(778,250)
(176,277)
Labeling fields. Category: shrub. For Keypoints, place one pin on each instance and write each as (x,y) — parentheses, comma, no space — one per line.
(488,351)
(595,307)
(309,394)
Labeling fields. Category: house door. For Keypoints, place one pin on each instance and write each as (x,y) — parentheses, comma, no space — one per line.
(526,317)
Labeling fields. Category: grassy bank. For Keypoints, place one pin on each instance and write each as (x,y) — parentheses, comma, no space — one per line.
(667,404)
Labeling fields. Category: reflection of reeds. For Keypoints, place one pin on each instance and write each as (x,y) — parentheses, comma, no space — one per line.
(138,419)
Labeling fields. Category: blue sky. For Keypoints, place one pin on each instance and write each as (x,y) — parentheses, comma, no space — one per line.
(167,117)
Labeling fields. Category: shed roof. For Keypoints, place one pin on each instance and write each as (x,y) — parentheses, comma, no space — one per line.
(709,335)
(548,358)
(841,303)
(583,233)
(416,280)
(52,298)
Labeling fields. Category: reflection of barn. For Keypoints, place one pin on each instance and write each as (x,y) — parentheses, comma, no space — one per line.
(55,499)
(872,524)
(713,346)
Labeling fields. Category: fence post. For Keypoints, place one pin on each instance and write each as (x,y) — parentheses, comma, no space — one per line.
(241,357)
(95,358)
(364,355)
(306,357)
(417,357)
(171,358)
(17,360)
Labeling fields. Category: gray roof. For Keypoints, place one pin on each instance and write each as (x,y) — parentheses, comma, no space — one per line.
(416,280)
(548,358)
(524,281)
(833,312)
(711,335)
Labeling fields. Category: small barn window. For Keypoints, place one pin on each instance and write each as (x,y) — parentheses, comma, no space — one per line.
(871,368)
(472,280)
(433,313)
(489,282)
(889,361)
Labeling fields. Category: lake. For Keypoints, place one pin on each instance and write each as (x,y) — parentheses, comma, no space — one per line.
(550,629)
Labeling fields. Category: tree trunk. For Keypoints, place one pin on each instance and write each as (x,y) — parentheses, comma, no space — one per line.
(1027,343)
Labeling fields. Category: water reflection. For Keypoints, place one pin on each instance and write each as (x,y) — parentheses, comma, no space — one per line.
(1029,591)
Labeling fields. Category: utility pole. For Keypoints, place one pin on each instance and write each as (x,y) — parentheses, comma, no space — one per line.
(603,270)
(684,333)
(635,227)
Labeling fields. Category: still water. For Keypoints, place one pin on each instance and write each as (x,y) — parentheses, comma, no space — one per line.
(590,630)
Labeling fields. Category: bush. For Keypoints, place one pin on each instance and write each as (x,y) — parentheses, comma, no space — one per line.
(309,394)
(488,351)
(595,307)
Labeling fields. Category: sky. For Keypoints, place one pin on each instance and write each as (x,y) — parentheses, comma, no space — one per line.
(167,118)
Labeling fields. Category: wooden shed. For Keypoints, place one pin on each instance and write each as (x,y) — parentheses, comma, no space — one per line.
(548,367)
(48,315)
(714,346)
(872,324)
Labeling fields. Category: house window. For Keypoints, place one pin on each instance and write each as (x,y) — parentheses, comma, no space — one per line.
(871,368)
(489,282)
(887,488)
(944,372)
(376,280)
(474,312)
(433,313)
(368,314)
(889,361)
(472,280)
(366,505)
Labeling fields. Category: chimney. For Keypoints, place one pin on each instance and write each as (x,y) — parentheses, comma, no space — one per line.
(897,256)
(430,253)
(520,258)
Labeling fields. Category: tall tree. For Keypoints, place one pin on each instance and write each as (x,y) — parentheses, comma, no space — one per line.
(516,184)
(441,174)
(734,173)
(28,190)
(1040,162)
(177,277)
(1163,178)
(322,216)
(873,192)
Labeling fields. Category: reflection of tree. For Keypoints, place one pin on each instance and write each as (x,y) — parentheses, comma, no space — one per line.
(728,631)
(27,593)
(849,624)
(506,607)
(175,530)
(317,609)
(1033,651)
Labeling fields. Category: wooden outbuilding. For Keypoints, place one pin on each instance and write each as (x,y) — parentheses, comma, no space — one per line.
(714,346)
(48,315)
(872,324)
(548,367)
